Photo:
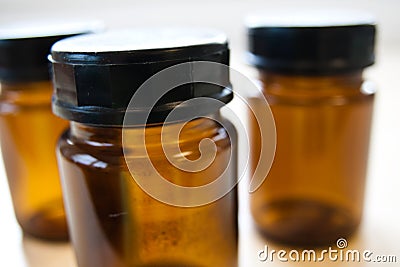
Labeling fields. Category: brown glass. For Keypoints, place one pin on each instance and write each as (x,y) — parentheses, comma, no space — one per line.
(314,192)
(29,133)
(113,223)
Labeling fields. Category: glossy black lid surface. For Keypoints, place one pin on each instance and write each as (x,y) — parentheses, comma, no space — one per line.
(96,75)
(24,46)
(311,43)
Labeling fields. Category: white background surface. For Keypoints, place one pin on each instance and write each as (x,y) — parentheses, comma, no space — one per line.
(380,229)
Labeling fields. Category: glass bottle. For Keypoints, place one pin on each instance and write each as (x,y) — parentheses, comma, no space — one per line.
(113,221)
(312,78)
(28,129)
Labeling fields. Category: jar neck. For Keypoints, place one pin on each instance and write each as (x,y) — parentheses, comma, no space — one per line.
(351,80)
(26,94)
(24,91)
(26,85)
(103,135)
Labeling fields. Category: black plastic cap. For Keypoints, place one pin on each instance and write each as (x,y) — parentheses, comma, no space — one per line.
(24,47)
(95,76)
(331,45)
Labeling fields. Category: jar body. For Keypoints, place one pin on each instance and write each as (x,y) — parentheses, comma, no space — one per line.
(29,133)
(313,194)
(114,223)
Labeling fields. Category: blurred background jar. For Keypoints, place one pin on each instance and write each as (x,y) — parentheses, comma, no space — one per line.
(311,72)
(28,129)
(117,155)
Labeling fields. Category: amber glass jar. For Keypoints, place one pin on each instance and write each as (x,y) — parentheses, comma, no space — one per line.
(113,221)
(311,76)
(28,128)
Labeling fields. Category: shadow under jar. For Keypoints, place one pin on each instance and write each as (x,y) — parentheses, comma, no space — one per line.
(311,76)
(113,221)
(28,129)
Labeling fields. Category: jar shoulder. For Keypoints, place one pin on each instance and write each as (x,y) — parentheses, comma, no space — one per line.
(85,151)
(312,94)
